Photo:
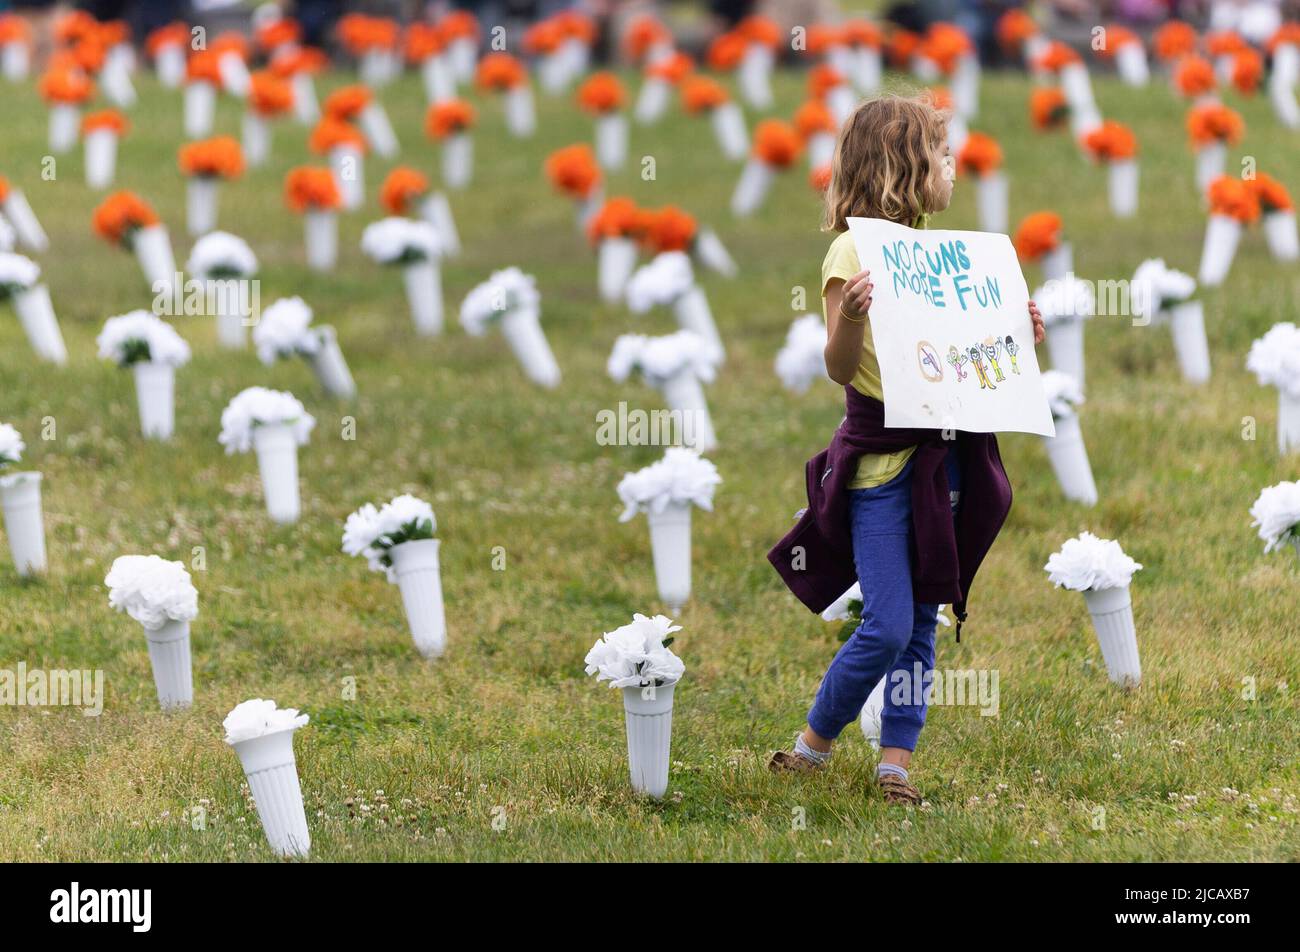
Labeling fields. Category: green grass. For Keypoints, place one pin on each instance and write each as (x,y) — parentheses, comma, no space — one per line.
(507,719)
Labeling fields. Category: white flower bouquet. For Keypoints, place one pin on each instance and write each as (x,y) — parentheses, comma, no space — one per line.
(416,247)
(153,350)
(398,539)
(803,357)
(1101,570)
(274,424)
(160,596)
(510,297)
(20,283)
(668,280)
(20,500)
(262,736)
(224,263)
(676,365)
(1274,359)
(11,445)
(1276,514)
(1063,394)
(285,330)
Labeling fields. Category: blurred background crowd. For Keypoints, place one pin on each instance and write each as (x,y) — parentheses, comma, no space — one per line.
(694,22)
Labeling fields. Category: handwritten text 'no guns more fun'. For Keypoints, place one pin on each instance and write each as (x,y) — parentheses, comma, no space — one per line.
(915,270)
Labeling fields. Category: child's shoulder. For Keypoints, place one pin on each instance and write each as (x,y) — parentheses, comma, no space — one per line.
(841,259)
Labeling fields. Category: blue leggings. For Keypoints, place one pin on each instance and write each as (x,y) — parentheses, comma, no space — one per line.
(896,634)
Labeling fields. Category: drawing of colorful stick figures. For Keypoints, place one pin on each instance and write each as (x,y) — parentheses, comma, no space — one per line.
(981,374)
(1012,349)
(990,348)
(928,358)
(956,360)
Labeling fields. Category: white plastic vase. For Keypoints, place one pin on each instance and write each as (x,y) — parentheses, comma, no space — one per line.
(1065,345)
(235,78)
(1112,618)
(277,461)
(227,300)
(711,253)
(1288,423)
(463,57)
(321,238)
(1058,262)
(652,100)
(20,498)
(306,104)
(754,76)
(611,140)
(648,715)
(101,157)
(870,719)
(436,210)
(755,180)
(1131,63)
(958,133)
(153,250)
(378,130)
(1122,179)
(115,80)
(170,65)
(65,122)
(348,165)
(729,129)
(1084,119)
(15,61)
(692,311)
(1069,458)
(330,367)
(1187,321)
(867,69)
(683,392)
(1280,232)
(173,670)
(1283,99)
(1221,236)
(841,101)
(670,546)
(821,149)
(200,107)
(521,113)
(36,314)
(991,198)
(256,138)
(522,328)
(155,392)
(1210,159)
(423,282)
(272,774)
(439,84)
(1076,85)
(27,227)
(201,204)
(419,577)
(457,160)
(616,258)
(966,86)
(553,73)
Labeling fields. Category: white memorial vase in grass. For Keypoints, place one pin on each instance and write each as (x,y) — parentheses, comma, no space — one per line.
(1066,304)
(1159,291)
(669,281)
(412,246)
(153,350)
(1279,219)
(449,123)
(436,210)
(226,265)
(1102,572)
(20,501)
(101,132)
(665,491)
(677,365)
(1066,450)
(20,285)
(285,330)
(274,424)
(169,60)
(614,230)
(802,360)
(981,156)
(16,59)
(314,193)
(1276,514)
(1274,359)
(636,658)
(160,596)
(398,539)
(262,736)
(776,148)
(200,108)
(18,211)
(510,298)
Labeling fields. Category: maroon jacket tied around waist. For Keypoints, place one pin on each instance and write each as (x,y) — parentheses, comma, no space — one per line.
(816,557)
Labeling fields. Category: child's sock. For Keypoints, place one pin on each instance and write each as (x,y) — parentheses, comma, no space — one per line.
(807,753)
(883,769)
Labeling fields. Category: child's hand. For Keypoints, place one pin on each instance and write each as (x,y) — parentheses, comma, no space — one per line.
(1035,315)
(855,299)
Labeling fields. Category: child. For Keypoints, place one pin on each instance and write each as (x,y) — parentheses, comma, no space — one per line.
(885,501)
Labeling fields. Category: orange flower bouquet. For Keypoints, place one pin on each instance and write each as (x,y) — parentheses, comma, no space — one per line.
(702,94)
(946,50)
(65,90)
(166,46)
(314,193)
(15,48)
(573,170)
(100,133)
(1173,41)
(1076,85)
(202,80)
(1279,217)
(1018,34)
(125,219)
(1234,203)
(603,96)
(15,207)
(278,33)
(981,156)
(777,146)
(1125,47)
(1222,47)
(374,42)
(817,129)
(406,192)
(659,79)
(1039,239)
(1212,127)
(647,40)
(1246,71)
(1048,108)
(615,230)
(449,122)
(205,164)
(1194,77)
(269,96)
(1114,144)
(502,73)
(357,104)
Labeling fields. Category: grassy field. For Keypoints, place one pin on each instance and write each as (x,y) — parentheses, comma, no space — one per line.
(506,725)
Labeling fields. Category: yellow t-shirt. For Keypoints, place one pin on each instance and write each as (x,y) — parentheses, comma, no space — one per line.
(873,469)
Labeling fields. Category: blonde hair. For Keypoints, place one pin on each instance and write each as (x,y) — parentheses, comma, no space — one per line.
(884,162)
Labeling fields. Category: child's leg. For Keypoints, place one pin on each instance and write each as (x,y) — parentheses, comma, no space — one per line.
(882,525)
(905,708)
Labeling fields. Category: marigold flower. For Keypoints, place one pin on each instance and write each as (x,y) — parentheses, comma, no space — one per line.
(121,214)
(1272,194)
(573,170)
(331,133)
(66,87)
(500,71)
(401,188)
(308,188)
(109,119)
(601,93)
(777,143)
(347,102)
(979,155)
(268,94)
(1110,142)
(1233,198)
(702,94)
(448,118)
(670,229)
(1194,76)
(219,157)
(1048,107)
(812,118)
(1214,122)
(1174,40)
(1038,234)
(619,217)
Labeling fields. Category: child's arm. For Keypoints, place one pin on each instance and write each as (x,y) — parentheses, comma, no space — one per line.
(847,304)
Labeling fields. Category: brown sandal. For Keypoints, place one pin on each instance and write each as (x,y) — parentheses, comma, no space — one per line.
(898,791)
(787,761)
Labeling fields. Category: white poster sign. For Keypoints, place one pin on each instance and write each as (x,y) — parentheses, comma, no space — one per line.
(950,323)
